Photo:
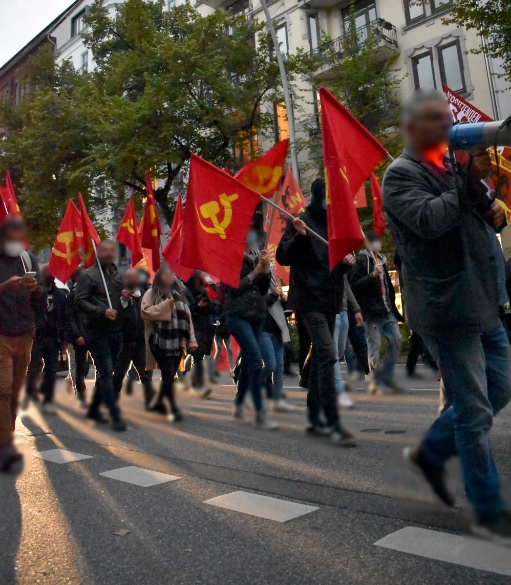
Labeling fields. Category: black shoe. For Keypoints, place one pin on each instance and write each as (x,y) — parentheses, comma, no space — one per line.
(435,476)
(119,425)
(159,407)
(129,388)
(318,429)
(339,435)
(497,529)
(10,460)
(96,417)
(175,416)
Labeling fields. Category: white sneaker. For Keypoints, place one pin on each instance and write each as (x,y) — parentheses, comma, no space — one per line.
(263,423)
(49,408)
(248,402)
(344,401)
(283,405)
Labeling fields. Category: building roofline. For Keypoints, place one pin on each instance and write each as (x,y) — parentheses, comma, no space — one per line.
(44,34)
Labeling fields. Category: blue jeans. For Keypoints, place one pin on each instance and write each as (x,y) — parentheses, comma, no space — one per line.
(272,350)
(356,347)
(104,347)
(476,373)
(387,327)
(342,326)
(248,336)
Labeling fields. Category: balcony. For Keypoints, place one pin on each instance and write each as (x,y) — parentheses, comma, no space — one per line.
(384,33)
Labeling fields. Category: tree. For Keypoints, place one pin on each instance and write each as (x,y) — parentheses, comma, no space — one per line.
(166,84)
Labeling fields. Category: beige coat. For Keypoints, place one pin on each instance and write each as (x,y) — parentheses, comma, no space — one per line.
(161,312)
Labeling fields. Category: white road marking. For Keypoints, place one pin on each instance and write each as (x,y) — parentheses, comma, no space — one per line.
(450,548)
(139,476)
(261,506)
(61,456)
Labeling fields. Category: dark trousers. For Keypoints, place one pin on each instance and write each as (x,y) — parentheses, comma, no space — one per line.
(168,367)
(304,341)
(358,340)
(104,347)
(82,368)
(197,370)
(133,352)
(322,397)
(417,348)
(45,349)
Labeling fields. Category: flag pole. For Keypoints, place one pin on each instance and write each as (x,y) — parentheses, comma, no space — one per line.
(292,217)
(390,157)
(102,274)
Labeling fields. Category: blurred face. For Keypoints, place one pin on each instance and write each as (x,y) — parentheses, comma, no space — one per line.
(431,127)
(106,252)
(15,237)
(131,280)
(168,278)
(375,245)
(252,239)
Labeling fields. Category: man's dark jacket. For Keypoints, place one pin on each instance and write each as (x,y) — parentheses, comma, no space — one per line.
(74,318)
(367,288)
(91,301)
(133,329)
(448,264)
(54,323)
(312,287)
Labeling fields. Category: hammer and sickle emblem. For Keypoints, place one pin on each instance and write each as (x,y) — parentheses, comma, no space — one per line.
(211,211)
(66,238)
(342,170)
(263,178)
(129,226)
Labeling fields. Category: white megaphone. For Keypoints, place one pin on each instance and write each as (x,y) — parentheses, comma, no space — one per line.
(466,136)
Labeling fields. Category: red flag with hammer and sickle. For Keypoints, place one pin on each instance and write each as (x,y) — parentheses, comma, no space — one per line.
(65,255)
(264,174)
(90,235)
(216,221)
(151,228)
(9,203)
(128,233)
(172,250)
(350,153)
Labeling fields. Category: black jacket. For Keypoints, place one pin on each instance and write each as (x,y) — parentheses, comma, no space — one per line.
(202,317)
(18,309)
(367,288)
(55,322)
(91,301)
(448,263)
(133,328)
(312,287)
(75,327)
(248,300)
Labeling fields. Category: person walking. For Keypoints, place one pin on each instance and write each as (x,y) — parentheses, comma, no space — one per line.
(169,332)
(133,348)
(21,298)
(438,213)
(223,340)
(316,293)
(103,327)
(371,284)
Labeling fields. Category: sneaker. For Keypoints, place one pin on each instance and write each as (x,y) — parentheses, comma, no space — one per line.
(159,407)
(283,405)
(175,416)
(10,460)
(49,408)
(263,423)
(119,425)
(435,476)
(497,529)
(237,413)
(344,401)
(338,435)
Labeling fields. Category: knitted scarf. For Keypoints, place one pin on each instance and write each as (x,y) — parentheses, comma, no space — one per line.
(172,336)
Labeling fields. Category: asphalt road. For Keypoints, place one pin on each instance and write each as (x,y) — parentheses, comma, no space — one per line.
(58,522)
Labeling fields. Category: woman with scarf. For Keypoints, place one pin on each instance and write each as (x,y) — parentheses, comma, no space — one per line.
(169,332)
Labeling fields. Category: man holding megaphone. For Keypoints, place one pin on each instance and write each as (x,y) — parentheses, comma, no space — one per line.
(443,224)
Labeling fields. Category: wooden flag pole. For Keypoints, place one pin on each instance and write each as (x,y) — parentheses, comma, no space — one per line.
(102,274)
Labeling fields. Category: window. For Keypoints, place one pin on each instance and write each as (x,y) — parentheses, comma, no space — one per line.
(78,24)
(414,11)
(314,31)
(282,38)
(437,5)
(451,66)
(365,14)
(423,75)
(84,66)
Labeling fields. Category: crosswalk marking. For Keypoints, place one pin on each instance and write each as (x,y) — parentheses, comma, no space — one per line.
(139,476)
(61,456)
(261,506)
(450,548)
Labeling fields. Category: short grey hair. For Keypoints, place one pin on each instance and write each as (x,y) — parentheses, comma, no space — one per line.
(412,106)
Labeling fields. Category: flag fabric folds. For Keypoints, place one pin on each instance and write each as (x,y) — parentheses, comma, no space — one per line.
(128,233)
(350,154)
(172,250)
(378,219)
(9,203)
(65,255)
(216,221)
(90,235)
(151,228)
(264,174)
(291,199)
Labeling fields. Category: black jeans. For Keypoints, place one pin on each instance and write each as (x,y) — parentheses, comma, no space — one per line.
(82,368)
(133,352)
(322,397)
(168,367)
(45,349)
(104,347)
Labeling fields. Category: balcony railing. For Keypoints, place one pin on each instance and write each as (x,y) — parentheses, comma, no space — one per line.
(379,28)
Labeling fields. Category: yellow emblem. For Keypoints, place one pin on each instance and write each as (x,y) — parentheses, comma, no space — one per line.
(262,178)
(66,238)
(343,174)
(129,226)
(211,211)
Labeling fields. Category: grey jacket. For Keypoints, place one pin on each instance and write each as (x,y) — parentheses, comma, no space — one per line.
(448,263)
(349,302)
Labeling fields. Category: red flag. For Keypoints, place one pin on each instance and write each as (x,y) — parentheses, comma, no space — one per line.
(128,233)
(264,174)
(9,203)
(172,250)
(350,153)
(461,110)
(216,221)
(378,219)
(151,228)
(360,199)
(89,235)
(292,200)
(65,255)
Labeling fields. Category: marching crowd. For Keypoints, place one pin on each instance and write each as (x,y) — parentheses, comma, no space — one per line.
(451,276)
